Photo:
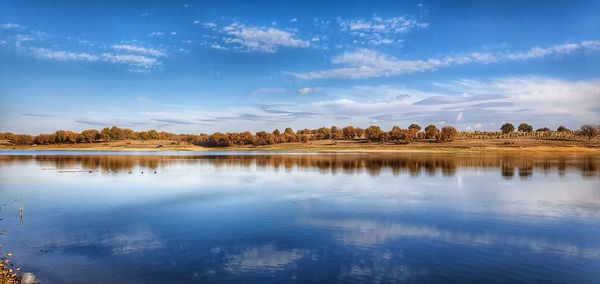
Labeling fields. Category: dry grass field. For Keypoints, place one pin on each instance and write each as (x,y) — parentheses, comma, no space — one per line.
(461,145)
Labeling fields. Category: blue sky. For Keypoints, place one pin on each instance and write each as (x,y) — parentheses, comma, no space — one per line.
(192,67)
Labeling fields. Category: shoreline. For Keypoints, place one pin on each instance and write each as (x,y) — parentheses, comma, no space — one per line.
(515,146)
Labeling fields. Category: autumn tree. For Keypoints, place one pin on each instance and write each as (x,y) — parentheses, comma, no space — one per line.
(349,132)
(447,134)
(395,133)
(19,139)
(373,133)
(289,135)
(415,126)
(105,134)
(88,136)
(336,133)
(507,128)
(249,139)
(44,139)
(431,132)
(405,135)
(64,136)
(323,133)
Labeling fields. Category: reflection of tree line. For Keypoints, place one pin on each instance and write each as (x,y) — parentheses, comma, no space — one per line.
(373,164)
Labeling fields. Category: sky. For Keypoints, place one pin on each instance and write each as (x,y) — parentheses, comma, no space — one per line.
(207,66)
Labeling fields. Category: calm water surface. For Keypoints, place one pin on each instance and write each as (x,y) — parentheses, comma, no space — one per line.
(301,218)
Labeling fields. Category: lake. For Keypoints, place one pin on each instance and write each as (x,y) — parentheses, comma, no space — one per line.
(102,217)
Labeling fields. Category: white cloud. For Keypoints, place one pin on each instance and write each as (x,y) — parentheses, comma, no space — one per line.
(378,30)
(261,39)
(537,52)
(269,90)
(218,46)
(209,25)
(153,34)
(365,63)
(459,116)
(45,53)
(396,25)
(139,61)
(10,26)
(465,103)
(368,63)
(307,90)
(137,49)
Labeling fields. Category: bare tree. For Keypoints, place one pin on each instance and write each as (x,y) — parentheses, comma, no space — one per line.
(590,131)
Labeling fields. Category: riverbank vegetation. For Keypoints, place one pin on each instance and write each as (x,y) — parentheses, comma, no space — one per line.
(372,134)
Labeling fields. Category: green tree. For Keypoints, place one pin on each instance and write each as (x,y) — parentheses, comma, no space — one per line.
(507,128)
(562,129)
(524,127)
(324,133)
(289,131)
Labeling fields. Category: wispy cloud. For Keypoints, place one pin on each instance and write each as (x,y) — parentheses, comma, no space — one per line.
(378,30)
(269,90)
(62,55)
(537,52)
(368,233)
(10,26)
(308,90)
(209,25)
(258,39)
(376,24)
(137,49)
(139,61)
(39,115)
(487,102)
(173,121)
(28,42)
(368,63)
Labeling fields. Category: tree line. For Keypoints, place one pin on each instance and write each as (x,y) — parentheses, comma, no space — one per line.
(373,133)
(588,130)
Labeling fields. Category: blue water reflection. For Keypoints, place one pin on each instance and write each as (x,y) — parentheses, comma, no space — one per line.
(302,218)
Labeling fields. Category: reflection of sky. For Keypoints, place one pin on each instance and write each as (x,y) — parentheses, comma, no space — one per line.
(198,221)
(371,233)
